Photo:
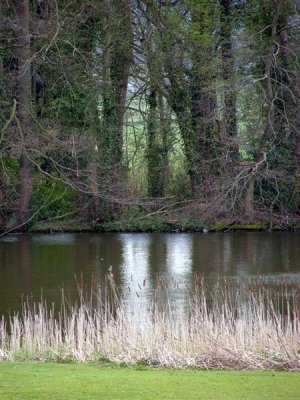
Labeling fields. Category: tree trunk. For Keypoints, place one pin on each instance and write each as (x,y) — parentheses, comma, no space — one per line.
(293,111)
(203,98)
(23,109)
(229,111)
(297,147)
(165,131)
(249,198)
(96,209)
(179,100)
(117,46)
(157,151)
(1,172)
(117,61)
(121,61)
(202,114)
(154,148)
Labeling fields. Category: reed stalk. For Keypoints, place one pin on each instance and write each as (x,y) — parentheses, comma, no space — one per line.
(231,325)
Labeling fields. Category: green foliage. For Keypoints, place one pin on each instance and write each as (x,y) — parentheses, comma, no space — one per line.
(238,227)
(10,174)
(61,225)
(192,225)
(136,226)
(133,213)
(179,185)
(51,199)
(73,107)
(10,166)
(278,194)
(202,28)
(151,225)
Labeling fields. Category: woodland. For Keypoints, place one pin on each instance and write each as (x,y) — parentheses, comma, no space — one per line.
(150,113)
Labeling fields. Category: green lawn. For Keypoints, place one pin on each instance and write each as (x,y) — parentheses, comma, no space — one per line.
(38,381)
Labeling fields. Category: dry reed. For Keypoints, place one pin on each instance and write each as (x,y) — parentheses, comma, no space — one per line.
(232,325)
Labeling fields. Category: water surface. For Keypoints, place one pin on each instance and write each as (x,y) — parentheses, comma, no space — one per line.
(42,264)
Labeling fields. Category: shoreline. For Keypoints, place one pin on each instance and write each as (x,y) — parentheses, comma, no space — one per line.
(75,226)
(137,226)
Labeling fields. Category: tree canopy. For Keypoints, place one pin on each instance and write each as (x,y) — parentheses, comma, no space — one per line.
(179,109)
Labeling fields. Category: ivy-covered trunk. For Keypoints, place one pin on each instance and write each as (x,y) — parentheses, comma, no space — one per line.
(181,105)
(229,105)
(202,91)
(2,197)
(203,106)
(156,124)
(117,45)
(117,57)
(291,70)
(24,126)
(154,148)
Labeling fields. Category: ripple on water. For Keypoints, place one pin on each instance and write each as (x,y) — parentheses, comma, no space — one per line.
(56,238)
(10,239)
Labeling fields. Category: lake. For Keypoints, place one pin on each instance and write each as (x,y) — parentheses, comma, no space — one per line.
(40,265)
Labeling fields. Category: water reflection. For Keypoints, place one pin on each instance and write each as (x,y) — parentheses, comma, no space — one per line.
(31,264)
(56,238)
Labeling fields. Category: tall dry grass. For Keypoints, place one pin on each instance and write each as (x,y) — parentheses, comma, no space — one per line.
(238,325)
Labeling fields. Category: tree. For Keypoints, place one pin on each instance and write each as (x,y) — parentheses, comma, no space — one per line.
(24,107)
(271,174)
(228,74)
(116,41)
(206,92)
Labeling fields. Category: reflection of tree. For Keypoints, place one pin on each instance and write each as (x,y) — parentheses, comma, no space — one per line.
(134,268)
(206,254)
(24,255)
(109,267)
(16,275)
(157,258)
(157,271)
(42,264)
(179,268)
(110,249)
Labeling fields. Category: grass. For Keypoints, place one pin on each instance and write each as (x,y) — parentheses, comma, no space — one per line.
(144,224)
(36,381)
(230,326)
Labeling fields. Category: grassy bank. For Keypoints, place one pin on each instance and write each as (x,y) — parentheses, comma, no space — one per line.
(255,325)
(35,381)
(155,225)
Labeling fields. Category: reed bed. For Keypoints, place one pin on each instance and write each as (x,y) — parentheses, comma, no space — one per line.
(253,325)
